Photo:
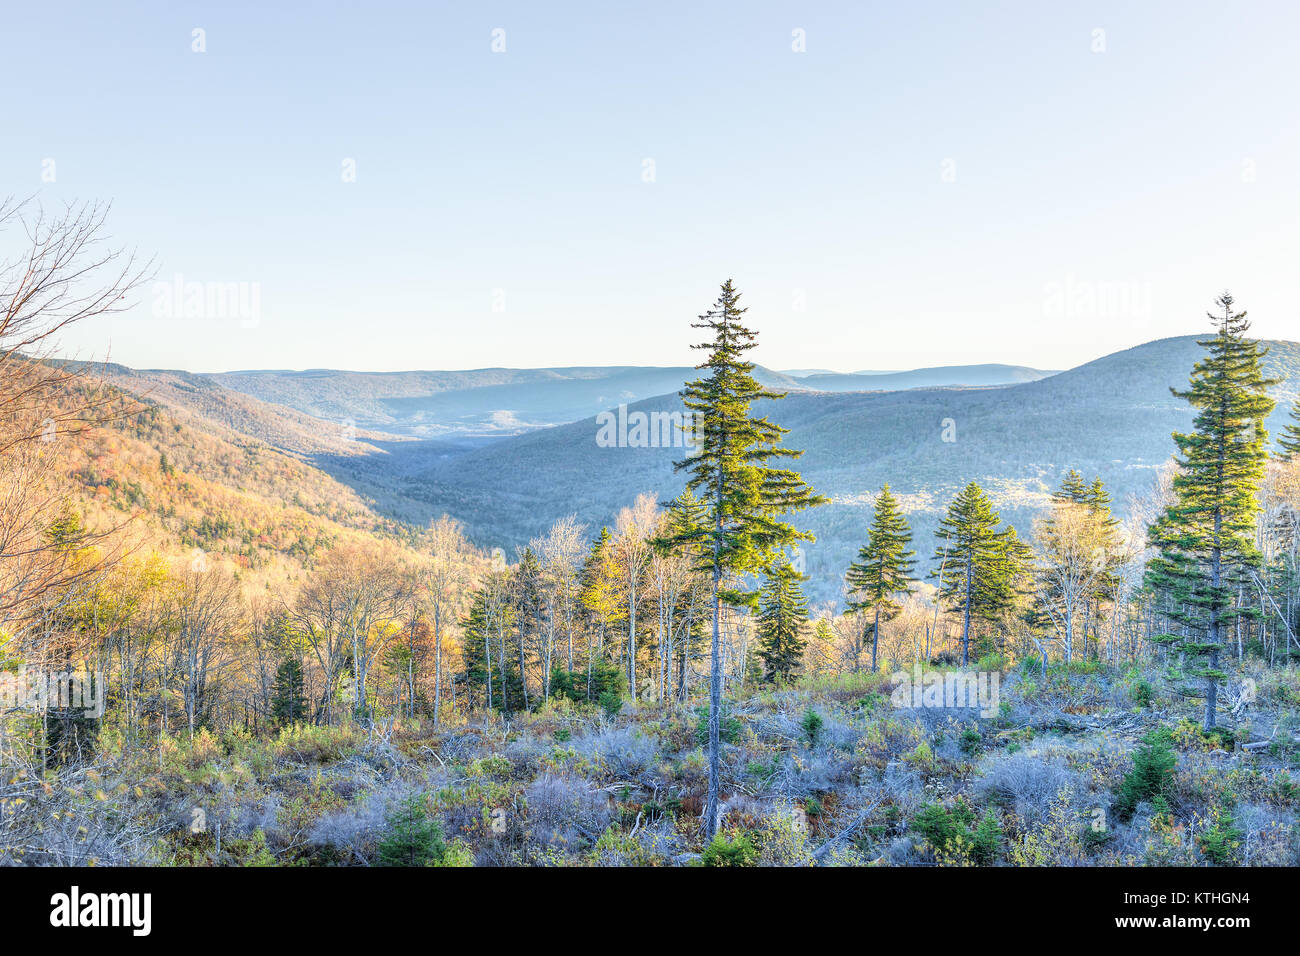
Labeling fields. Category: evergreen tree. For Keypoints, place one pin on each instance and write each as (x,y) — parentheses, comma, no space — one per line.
(883,569)
(70,735)
(783,612)
(1289,440)
(687,522)
(744,495)
(66,532)
(528,608)
(502,655)
(476,638)
(289,693)
(978,563)
(1073,488)
(412,838)
(1205,539)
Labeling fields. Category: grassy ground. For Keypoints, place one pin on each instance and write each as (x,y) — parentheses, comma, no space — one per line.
(1087,766)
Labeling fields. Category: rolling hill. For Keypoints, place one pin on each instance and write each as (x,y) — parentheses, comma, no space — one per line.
(201,396)
(1112,417)
(182,466)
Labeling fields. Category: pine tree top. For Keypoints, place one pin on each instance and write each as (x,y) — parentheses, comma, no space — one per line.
(883,569)
(732,469)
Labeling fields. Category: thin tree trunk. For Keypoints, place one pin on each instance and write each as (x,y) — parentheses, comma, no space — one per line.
(875,639)
(437,663)
(965,620)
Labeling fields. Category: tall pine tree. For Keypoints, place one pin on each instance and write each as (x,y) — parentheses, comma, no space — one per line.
(1205,539)
(883,570)
(783,612)
(745,497)
(476,653)
(978,561)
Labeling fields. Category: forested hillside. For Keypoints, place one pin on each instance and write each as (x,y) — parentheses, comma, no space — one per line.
(210,405)
(187,472)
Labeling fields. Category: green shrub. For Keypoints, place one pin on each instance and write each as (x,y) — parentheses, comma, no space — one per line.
(1221,841)
(1142,693)
(1222,737)
(871,702)
(939,826)
(946,829)
(1094,838)
(1284,791)
(1153,769)
(970,741)
(811,725)
(728,726)
(738,851)
(252,851)
(575,686)
(986,839)
(412,839)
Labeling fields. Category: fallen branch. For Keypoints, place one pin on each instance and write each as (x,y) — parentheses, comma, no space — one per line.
(844,834)
(1261,744)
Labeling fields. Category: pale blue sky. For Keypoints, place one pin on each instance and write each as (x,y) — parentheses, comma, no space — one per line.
(1154,173)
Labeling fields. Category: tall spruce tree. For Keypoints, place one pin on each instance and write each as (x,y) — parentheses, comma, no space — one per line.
(476,652)
(1205,539)
(883,570)
(783,613)
(745,497)
(1289,440)
(527,607)
(978,561)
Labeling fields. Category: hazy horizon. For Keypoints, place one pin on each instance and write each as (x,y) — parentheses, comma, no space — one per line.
(794,372)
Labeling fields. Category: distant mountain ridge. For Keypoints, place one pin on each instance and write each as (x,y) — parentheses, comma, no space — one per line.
(942,376)
(494,402)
